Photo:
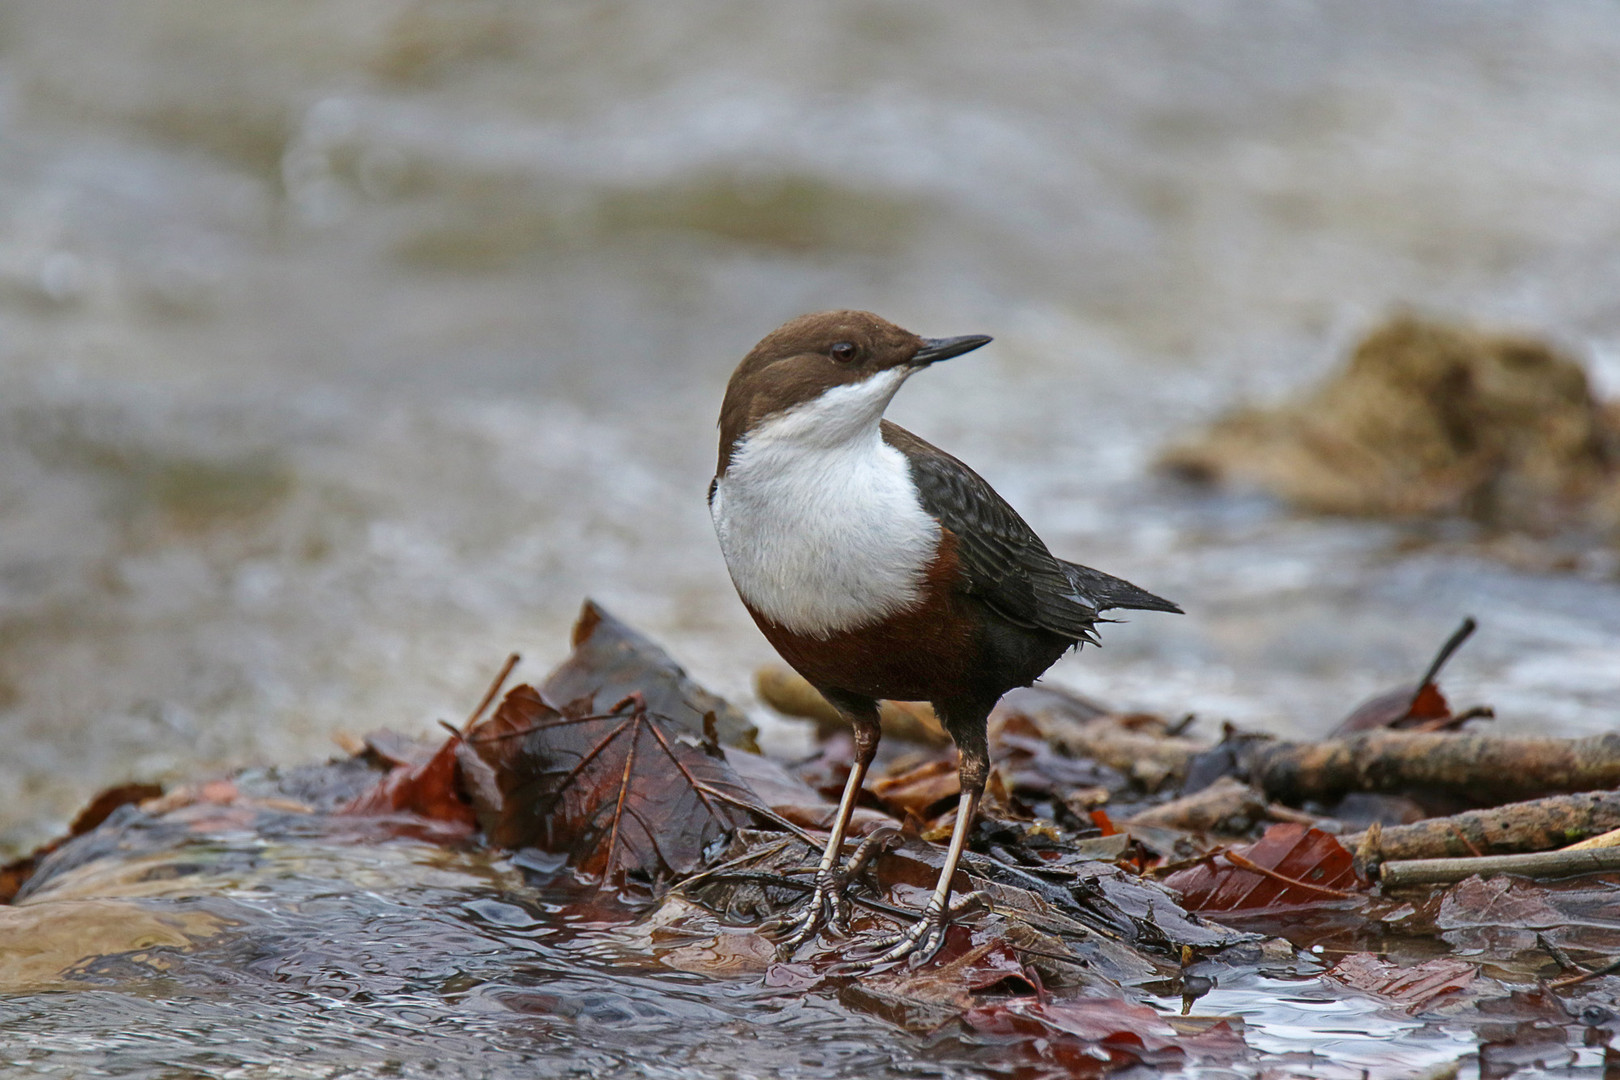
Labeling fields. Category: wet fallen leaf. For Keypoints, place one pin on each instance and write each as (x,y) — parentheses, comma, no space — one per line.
(1532,1048)
(1416,986)
(1090,1036)
(1292,865)
(1508,915)
(610,662)
(922,998)
(1419,707)
(422,783)
(795,800)
(1035,769)
(919,789)
(828,771)
(620,792)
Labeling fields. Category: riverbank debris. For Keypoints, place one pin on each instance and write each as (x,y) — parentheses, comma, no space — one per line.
(1123,871)
(1430,419)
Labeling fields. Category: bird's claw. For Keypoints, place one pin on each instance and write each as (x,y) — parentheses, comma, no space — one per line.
(828,906)
(919,943)
(923,939)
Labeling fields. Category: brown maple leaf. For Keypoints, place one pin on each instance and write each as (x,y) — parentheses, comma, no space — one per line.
(611,661)
(621,792)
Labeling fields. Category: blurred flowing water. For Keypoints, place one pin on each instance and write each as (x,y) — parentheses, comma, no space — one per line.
(346,345)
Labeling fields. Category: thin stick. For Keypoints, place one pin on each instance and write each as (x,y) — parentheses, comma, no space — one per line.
(1551,948)
(757,877)
(1534,864)
(489,695)
(557,719)
(1602,840)
(1574,980)
(741,860)
(1288,813)
(1243,862)
(1453,643)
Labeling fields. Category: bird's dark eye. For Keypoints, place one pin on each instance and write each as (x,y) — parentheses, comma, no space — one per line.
(843,352)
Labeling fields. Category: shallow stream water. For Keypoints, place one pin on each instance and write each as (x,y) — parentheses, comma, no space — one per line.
(224,940)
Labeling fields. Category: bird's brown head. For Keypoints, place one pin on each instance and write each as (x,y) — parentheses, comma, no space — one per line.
(858,356)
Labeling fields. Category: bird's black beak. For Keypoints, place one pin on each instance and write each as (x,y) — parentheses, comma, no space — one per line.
(943,348)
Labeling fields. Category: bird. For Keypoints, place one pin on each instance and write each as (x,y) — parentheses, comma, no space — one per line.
(881,567)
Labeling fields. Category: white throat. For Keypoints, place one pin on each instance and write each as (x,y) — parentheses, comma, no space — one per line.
(818,517)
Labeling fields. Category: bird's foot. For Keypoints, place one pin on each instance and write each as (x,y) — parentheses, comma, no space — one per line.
(828,905)
(923,939)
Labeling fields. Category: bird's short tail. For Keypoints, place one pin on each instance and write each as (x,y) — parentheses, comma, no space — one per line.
(1106,591)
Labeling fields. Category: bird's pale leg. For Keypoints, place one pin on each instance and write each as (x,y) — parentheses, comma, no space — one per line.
(828,897)
(926,935)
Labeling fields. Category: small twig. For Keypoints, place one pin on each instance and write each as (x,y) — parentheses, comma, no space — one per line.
(1575,980)
(1602,840)
(1243,862)
(1453,643)
(1563,958)
(1277,812)
(1453,723)
(1071,959)
(489,695)
(742,860)
(557,721)
(1533,864)
(759,877)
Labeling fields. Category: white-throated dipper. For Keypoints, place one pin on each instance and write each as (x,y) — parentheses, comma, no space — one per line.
(880,566)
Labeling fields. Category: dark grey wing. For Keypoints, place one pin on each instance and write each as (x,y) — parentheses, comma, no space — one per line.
(1003,562)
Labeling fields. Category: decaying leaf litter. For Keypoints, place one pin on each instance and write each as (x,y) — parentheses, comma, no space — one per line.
(1127,879)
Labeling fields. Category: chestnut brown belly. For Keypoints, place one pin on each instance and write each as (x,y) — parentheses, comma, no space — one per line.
(918,655)
(949,648)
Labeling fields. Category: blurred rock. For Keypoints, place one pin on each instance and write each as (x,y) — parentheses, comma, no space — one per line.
(787,692)
(1431,419)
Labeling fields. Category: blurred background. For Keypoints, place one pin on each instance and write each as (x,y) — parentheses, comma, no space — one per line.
(347,345)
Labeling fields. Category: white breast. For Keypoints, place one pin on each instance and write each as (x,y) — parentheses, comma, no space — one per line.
(818,518)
